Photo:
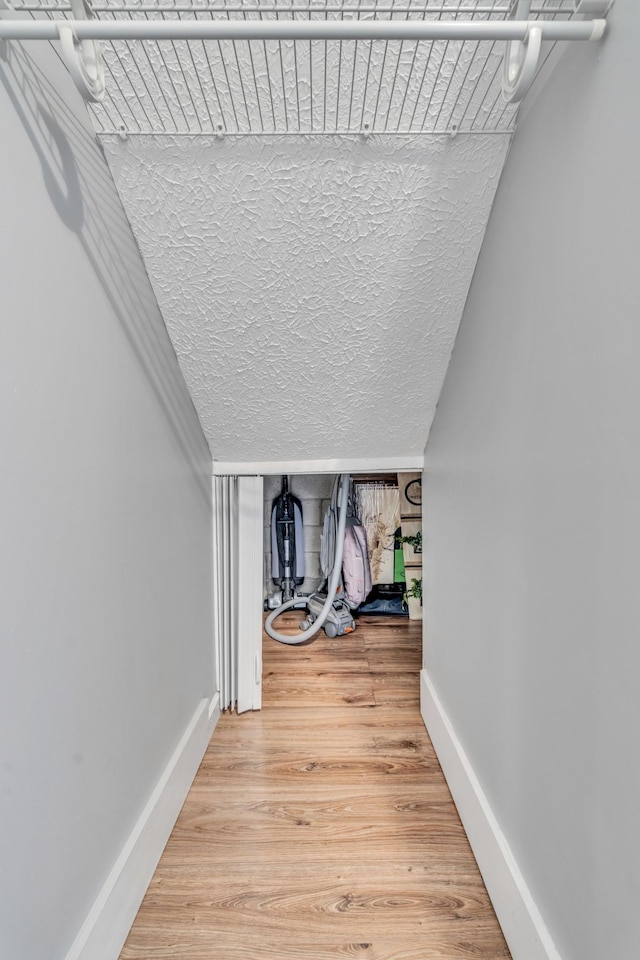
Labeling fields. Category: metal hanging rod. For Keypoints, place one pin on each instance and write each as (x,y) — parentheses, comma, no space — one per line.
(438,76)
(508,30)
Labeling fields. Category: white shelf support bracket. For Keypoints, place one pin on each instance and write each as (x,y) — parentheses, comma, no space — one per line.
(82,57)
(520,57)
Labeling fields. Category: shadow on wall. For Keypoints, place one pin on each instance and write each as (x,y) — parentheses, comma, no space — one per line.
(82,191)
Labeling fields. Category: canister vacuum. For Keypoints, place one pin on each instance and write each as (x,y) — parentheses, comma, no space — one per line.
(287,545)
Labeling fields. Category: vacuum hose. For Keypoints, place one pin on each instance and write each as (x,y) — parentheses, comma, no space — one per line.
(333,582)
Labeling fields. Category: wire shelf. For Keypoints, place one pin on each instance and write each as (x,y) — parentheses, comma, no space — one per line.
(303,87)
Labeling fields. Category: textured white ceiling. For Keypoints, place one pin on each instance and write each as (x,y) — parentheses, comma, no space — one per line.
(312,287)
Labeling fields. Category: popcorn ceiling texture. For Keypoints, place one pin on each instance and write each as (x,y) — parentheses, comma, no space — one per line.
(312,288)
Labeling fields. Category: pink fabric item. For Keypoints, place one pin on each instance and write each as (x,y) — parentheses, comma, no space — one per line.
(356,570)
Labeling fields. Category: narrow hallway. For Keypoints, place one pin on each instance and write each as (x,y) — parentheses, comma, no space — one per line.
(322,826)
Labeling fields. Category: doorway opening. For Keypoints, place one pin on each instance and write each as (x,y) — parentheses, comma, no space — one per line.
(390,508)
(388,630)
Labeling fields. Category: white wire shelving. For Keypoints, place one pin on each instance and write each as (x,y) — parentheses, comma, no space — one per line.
(302,87)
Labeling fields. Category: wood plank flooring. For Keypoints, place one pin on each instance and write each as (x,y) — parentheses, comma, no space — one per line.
(322,827)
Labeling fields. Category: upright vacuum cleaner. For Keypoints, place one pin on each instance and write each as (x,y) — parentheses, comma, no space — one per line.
(328,611)
(287,543)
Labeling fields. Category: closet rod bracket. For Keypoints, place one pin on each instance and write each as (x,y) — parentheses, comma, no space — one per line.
(82,57)
(522,57)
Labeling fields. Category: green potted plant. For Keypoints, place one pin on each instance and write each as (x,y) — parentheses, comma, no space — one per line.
(415,590)
(415,540)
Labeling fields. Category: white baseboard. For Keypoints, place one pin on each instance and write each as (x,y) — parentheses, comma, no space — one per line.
(214,714)
(105,929)
(522,924)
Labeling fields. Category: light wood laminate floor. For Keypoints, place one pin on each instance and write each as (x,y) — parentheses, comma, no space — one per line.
(322,827)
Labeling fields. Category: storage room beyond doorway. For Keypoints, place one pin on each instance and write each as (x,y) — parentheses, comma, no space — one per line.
(378,613)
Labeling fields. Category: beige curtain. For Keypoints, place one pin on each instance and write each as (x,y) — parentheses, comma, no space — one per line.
(379,511)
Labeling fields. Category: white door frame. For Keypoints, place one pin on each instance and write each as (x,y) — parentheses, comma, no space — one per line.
(250,592)
(341,465)
(250,552)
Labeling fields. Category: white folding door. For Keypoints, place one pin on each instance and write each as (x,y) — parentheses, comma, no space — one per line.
(237,590)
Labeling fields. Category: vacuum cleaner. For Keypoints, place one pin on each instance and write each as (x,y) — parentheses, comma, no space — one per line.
(287,543)
(330,611)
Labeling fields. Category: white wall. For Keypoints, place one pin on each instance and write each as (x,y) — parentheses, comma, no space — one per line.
(104,517)
(532,558)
